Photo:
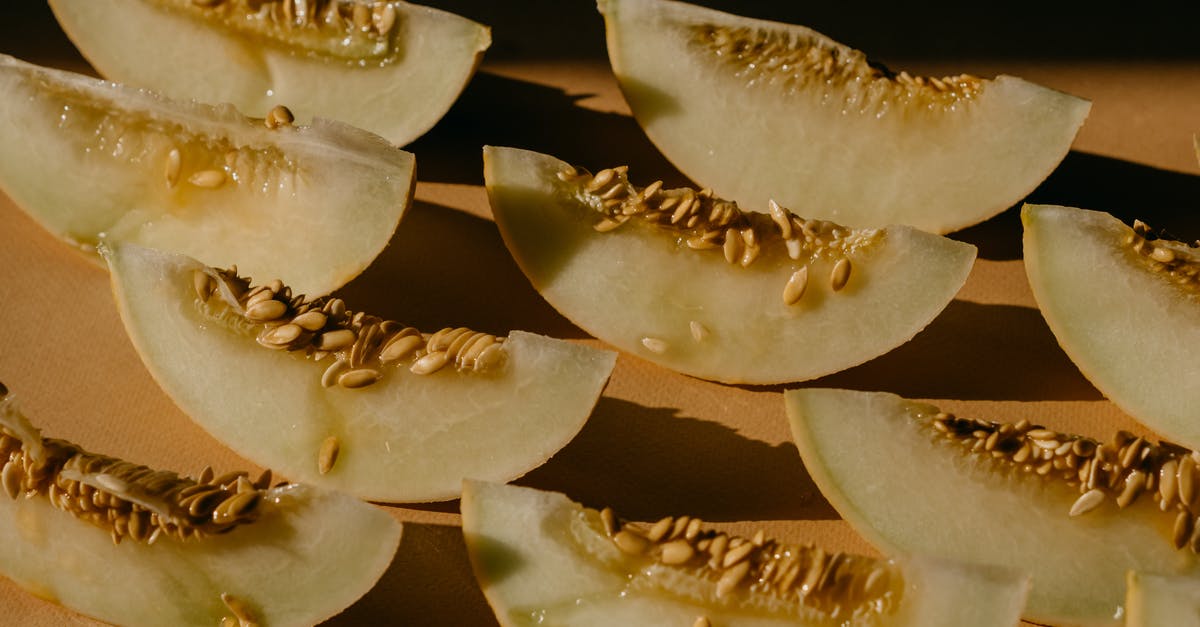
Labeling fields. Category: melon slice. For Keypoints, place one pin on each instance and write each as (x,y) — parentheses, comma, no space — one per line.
(759,110)
(1125,307)
(346,400)
(391,67)
(691,282)
(1160,601)
(90,160)
(136,546)
(1077,513)
(542,558)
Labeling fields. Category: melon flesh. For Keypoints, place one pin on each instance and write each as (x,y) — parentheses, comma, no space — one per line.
(88,160)
(407,438)
(309,555)
(543,559)
(640,281)
(1160,601)
(940,501)
(1130,325)
(185,51)
(853,145)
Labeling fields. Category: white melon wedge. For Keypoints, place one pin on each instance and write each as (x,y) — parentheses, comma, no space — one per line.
(759,110)
(132,545)
(691,282)
(1160,601)
(90,160)
(1074,512)
(1126,310)
(543,559)
(391,67)
(347,400)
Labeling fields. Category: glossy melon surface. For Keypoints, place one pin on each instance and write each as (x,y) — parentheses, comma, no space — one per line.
(1125,307)
(392,68)
(92,160)
(733,297)
(759,110)
(338,403)
(1066,508)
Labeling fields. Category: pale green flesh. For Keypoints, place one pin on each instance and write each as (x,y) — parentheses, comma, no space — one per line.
(408,438)
(904,491)
(310,555)
(1160,601)
(87,159)
(542,559)
(636,282)
(143,43)
(1130,331)
(820,151)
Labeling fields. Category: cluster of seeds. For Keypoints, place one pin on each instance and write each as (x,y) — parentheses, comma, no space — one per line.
(839,586)
(236,161)
(128,500)
(795,63)
(701,221)
(1123,470)
(1175,260)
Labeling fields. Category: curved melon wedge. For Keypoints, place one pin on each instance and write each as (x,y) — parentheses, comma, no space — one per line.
(1124,309)
(709,294)
(1159,601)
(759,110)
(543,558)
(90,159)
(152,548)
(342,402)
(1077,537)
(392,67)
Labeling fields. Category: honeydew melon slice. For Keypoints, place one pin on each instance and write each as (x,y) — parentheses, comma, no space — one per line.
(116,541)
(541,558)
(93,160)
(1158,601)
(339,403)
(1124,309)
(391,67)
(759,110)
(946,500)
(668,292)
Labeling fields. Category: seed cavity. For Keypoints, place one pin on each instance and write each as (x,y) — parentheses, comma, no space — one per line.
(1176,262)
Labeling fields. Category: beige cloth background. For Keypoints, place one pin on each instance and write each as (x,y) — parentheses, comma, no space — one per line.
(658,443)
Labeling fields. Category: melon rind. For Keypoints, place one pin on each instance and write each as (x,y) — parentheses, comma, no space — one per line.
(829,152)
(904,493)
(142,43)
(635,282)
(408,438)
(543,559)
(1130,331)
(1160,601)
(315,220)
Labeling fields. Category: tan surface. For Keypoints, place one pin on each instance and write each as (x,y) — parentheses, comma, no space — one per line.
(658,443)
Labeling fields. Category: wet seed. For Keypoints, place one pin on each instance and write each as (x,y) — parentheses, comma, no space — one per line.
(794,289)
(699,331)
(677,552)
(328,453)
(660,529)
(209,179)
(630,543)
(400,347)
(265,311)
(840,274)
(430,363)
(311,320)
(359,377)
(654,345)
(331,374)
(731,578)
(335,340)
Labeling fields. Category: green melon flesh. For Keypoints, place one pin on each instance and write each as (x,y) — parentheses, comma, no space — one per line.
(1159,601)
(1131,328)
(310,554)
(408,438)
(873,456)
(88,160)
(855,146)
(543,559)
(182,50)
(639,282)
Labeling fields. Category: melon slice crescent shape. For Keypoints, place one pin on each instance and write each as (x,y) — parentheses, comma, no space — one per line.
(691,282)
(758,110)
(1125,307)
(392,67)
(912,479)
(543,559)
(90,159)
(345,400)
(132,545)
